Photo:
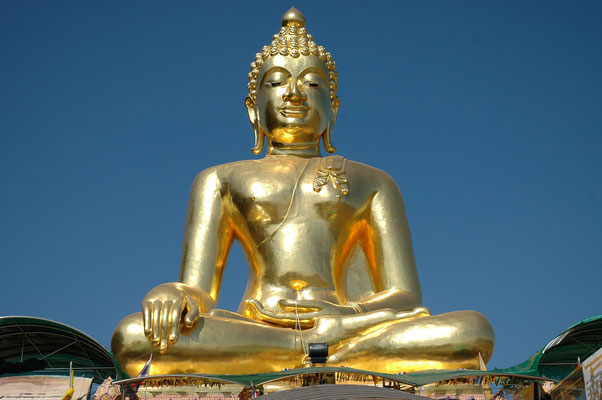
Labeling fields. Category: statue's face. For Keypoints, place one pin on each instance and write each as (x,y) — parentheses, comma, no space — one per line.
(293,99)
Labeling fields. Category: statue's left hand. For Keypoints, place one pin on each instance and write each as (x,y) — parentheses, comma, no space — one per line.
(305,311)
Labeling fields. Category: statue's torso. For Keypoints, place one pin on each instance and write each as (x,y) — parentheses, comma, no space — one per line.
(294,236)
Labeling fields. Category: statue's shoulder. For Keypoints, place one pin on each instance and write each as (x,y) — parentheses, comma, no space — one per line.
(368,176)
(217,174)
(347,175)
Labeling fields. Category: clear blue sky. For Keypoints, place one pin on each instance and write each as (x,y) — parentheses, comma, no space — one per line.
(487,114)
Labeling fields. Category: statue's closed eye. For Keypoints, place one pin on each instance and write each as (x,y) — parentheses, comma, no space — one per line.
(272,84)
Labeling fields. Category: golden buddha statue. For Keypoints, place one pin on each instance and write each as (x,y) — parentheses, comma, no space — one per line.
(327,242)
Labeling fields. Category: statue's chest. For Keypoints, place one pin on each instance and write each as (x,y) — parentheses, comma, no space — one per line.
(315,190)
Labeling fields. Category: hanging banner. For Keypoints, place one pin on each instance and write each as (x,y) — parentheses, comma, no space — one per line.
(592,376)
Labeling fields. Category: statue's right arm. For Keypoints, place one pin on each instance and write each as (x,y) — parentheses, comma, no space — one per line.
(171,307)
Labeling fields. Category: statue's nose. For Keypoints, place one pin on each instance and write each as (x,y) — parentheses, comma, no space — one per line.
(293,93)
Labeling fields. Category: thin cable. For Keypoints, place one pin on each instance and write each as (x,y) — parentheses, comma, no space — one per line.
(290,206)
(298,323)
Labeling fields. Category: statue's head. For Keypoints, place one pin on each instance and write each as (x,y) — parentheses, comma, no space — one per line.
(293,90)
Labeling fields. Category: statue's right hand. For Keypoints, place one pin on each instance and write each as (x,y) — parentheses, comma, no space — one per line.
(167,306)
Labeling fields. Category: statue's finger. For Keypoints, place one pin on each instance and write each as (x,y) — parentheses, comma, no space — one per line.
(147,318)
(415,313)
(193,313)
(255,307)
(282,319)
(156,322)
(422,310)
(165,315)
(176,313)
(308,320)
(302,306)
(255,303)
(278,318)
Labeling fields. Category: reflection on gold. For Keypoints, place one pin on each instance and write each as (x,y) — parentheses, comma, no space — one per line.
(327,243)
(298,285)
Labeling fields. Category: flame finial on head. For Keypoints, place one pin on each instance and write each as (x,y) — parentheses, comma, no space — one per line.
(293,16)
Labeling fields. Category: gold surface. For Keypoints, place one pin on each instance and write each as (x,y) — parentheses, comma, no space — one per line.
(327,242)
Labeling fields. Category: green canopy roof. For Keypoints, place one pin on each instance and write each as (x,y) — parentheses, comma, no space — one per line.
(30,345)
(257,379)
(411,379)
(561,356)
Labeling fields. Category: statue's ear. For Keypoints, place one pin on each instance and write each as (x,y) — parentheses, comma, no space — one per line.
(254,119)
(327,135)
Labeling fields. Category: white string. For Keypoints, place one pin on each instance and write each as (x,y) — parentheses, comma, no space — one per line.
(298,323)
(288,211)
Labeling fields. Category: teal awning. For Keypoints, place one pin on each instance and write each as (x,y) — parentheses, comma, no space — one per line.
(30,345)
(561,356)
(410,379)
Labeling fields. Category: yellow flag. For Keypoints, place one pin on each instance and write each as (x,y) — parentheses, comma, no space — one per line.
(69,393)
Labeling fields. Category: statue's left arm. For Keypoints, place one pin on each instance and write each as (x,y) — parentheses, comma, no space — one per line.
(387,245)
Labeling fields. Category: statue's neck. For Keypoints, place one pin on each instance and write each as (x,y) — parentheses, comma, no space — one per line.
(295,149)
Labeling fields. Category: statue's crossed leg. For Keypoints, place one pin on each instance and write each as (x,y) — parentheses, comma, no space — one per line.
(384,341)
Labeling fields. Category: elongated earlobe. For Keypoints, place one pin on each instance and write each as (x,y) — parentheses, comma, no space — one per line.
(327,135)
(259,139)
(254,120)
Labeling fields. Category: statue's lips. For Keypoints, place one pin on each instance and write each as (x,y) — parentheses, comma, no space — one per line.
(294,111)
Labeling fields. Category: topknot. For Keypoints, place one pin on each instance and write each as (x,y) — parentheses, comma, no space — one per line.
(294,41)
